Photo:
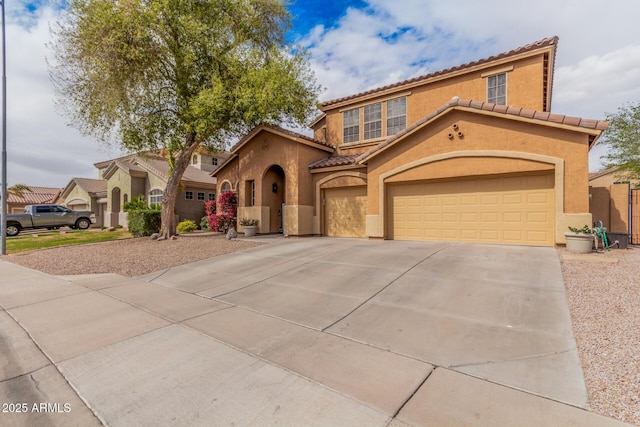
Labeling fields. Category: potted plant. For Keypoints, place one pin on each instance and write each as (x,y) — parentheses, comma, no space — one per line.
(250,226)
(580,240)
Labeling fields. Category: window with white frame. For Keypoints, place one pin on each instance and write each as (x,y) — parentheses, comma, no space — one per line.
(226,186)
(155,197)
(250,193)
(396,115)
(194,160)
(212,196)
(373,121)
(188,195)
(497,89)
(201,196)
(351,125)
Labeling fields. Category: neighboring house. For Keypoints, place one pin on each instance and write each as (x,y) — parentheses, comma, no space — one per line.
(614,199)
(147,174)
(37,195)
(86,194)
(471,153)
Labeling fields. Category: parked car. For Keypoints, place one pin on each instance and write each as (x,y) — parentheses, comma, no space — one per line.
(48,216)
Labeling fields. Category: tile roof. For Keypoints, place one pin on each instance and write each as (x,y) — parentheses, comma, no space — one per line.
(278,129)
(334,161)
(91,185)
(549,41)
(603,172)
(506,110)
(35,196)
(160,167)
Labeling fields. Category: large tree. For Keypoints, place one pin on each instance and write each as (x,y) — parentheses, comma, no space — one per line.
(623,140)
(172,75)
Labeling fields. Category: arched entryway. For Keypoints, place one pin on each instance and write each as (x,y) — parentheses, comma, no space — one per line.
(273,196)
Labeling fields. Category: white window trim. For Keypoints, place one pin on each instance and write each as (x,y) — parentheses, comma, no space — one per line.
(506,87)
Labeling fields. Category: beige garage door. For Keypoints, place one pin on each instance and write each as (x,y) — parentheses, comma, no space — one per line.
(507,210)
(345,211)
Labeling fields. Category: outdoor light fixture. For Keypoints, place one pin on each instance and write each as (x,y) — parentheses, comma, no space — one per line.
(274,187)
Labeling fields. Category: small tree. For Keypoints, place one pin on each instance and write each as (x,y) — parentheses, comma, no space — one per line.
(173,75)
(623,140)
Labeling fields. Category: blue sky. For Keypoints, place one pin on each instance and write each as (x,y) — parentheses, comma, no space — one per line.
(354,45)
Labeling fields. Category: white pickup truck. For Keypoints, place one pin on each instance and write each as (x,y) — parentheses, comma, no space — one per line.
(48,216)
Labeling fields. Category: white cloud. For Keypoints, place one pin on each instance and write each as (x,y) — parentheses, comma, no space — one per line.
(597,63)
(41,149)
(597,68)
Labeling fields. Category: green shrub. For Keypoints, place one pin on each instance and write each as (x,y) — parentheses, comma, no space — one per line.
(204,223)
(136,204)
(186,226)
(144,222)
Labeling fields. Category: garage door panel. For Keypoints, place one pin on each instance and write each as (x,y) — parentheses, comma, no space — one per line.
(513,210)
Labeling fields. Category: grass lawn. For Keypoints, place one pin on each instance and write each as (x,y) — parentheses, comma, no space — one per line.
(51,239)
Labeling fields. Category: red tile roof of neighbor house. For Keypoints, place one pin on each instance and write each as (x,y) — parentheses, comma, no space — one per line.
(35,196)
(544,43)
(506,110)
(594,175)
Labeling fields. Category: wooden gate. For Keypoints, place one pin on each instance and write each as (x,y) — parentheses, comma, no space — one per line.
(634,214)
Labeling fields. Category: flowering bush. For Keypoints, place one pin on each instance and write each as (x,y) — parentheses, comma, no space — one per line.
(225,219)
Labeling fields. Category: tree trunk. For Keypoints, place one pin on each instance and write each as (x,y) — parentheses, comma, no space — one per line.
(170,196)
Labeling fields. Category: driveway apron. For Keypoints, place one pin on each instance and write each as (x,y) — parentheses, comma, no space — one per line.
(314,331)
(494,312)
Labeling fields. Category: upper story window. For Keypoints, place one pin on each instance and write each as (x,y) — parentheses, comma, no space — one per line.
(373,121)
(194,160)
(214,161)
(351,125)
(379,120)
(497,89)
(155,197)
(396,115)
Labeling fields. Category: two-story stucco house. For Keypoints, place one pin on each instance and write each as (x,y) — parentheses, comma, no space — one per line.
(471,153)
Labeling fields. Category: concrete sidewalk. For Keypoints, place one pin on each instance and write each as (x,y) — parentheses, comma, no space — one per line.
(298,332)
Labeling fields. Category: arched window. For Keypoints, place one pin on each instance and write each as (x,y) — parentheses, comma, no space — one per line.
(226,186)
(155,197)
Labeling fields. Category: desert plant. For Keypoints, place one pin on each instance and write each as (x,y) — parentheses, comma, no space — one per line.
(584,230)
(186,226)
(248,222)
(204,223)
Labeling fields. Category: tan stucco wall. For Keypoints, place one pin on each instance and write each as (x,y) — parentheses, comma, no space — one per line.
(524,89)
(256,161)
(610,205)
(484,148)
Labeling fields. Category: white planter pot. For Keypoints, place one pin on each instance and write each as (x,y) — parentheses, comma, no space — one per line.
(250,230)
(579,243)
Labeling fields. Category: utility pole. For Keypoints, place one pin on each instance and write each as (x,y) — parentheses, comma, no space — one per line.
(3,197)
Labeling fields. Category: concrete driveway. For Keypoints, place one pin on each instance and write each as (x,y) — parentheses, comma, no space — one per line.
(311,331)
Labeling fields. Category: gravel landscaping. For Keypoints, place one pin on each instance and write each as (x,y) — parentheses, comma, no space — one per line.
(129,257)
(603,292)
